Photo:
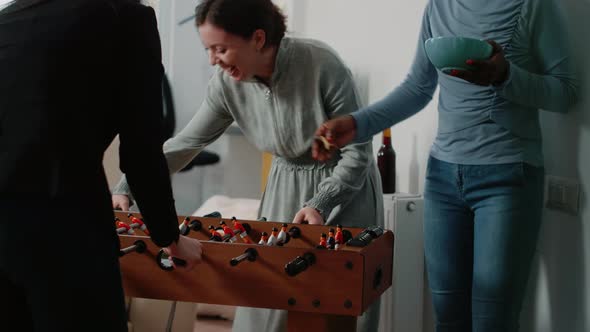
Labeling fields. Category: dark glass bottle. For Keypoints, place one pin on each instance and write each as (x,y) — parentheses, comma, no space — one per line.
(386,163)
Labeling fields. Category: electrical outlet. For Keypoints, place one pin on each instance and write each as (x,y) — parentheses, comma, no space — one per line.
(562,194)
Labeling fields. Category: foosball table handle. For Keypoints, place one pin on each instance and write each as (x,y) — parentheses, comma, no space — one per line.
(163,261)
(250,254)
(300,264)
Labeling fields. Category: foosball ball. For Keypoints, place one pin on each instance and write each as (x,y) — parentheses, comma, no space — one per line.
(324,276)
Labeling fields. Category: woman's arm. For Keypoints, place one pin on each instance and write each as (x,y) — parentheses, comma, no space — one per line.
(555,86)
(340,97)
(208,123)
(407,99)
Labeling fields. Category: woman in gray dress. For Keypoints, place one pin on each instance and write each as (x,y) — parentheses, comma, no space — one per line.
(279,90)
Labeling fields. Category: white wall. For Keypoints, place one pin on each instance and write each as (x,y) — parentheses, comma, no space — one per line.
(377,39)
(559,288)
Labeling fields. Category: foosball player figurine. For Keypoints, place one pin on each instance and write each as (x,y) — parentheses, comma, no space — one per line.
(143,227)
(215,236)
(282,237)
(226,228)
(229,233)
(263,238)
(123,227)
(272,239)
(339,237)
(331,239)
(184,226)
(323,242)
(245,238)
(137,223)
(240,229)
(238,225)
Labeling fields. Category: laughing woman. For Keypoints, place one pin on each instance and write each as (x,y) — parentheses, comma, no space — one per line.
(279,90)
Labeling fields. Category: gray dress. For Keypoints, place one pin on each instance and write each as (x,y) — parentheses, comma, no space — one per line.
(309,85)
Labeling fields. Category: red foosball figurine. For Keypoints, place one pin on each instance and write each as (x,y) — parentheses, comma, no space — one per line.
(263,238)
(228,231)
(339,237)
(323,241)
(123,227)
(240,229)
(138,223)
(215,236)
(238,225)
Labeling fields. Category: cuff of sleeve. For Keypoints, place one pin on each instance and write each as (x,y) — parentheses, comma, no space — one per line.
(362,126)
(322,202)
(162,243)
(512,70)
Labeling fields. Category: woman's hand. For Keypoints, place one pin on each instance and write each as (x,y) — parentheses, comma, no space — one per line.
(120,202)
(338,132)
(492,71)
(309,215)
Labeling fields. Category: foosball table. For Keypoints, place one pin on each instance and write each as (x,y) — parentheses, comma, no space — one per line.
(322,275)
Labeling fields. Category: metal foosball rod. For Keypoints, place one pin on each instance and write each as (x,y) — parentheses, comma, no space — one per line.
(187,226)
(138,246)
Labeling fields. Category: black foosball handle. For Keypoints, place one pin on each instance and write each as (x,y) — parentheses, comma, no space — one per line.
(177,261)
(299,264)
(250,254)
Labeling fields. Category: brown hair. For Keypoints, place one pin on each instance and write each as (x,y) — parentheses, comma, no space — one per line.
(243,17)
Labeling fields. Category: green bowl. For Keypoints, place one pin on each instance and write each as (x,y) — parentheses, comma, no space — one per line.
(447,53)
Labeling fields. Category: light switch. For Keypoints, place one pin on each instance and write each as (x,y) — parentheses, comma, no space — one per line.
(562,194)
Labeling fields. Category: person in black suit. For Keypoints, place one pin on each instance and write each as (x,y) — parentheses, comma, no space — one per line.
(73,75)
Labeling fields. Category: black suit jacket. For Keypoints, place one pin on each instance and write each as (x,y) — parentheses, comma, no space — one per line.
(73,75)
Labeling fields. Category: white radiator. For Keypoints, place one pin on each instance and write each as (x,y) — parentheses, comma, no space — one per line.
(402,304)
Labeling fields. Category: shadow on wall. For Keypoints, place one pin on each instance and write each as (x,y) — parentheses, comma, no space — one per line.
(558,287)
(414,172)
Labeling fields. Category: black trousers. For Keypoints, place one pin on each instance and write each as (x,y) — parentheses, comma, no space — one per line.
(59,269)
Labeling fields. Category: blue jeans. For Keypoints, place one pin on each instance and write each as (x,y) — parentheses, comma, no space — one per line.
(480,233)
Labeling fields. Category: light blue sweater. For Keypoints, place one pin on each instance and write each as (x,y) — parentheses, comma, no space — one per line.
(486,125)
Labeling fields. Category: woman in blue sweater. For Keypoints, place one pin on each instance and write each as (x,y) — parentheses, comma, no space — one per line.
(484,182)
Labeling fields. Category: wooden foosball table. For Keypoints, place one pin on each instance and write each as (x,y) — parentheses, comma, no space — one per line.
(321,288)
